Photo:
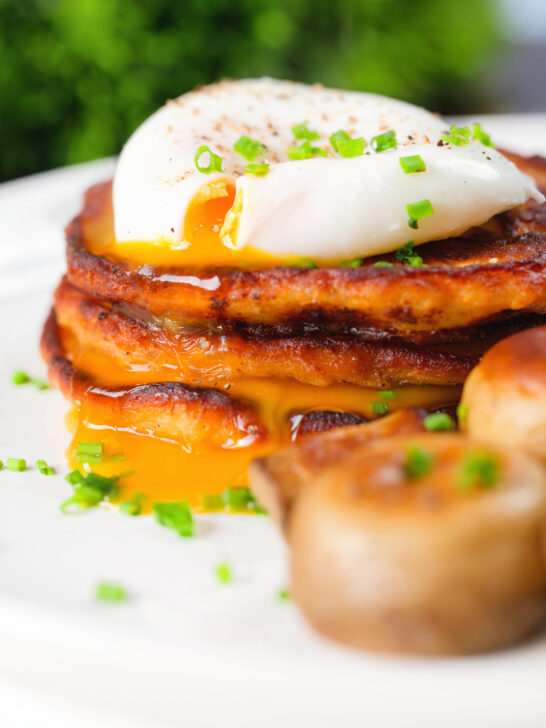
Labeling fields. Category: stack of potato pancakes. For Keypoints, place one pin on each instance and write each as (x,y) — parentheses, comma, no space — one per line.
(234,357)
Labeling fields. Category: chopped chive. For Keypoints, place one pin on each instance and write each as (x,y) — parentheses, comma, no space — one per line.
(406,255)
(19,377)
(237,498)
(478,469)
(249,148)
(347,147)
(117,457)
(305,151)
(176,515)
(224,573)
(300,131)
(16,464)
(418,462)
(479,134)
(412,163)
(438,422)
(383,264)
(89,490)
(459,135)
(40,384)
(283,595)
(386,394)
(462,412)
(212,501)
(382,142)
(215,162)
(257,169)
(90,452)
(105,592)
(1,465)
(304,263)
(133,507)
(44,468)
(418,210)
(354,263)
(379,408)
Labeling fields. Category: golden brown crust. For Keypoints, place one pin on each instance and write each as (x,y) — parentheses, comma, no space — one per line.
(386,562)
(210,357)
(473,280)
(506,394)
(164,409)
(278,479)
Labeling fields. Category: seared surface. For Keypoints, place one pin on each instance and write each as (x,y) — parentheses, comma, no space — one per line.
(165,409)
(489,274)
(209,357)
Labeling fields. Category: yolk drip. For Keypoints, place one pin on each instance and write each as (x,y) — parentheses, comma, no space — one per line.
(202,243)
(169,470)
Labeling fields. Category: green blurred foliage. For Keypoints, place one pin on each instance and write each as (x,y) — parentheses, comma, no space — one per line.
(77,76)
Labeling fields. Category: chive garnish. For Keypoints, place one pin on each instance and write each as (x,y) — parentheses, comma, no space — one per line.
(353,263)
(133,507)
(479,134)
(418,210)
(383,264)
(283,595)
(379,408)
(462,412)
(418,462)
(176,515)
(237,498)
(438,422)
(382,142)
(304,263)
(1,464)
(386,394)
(105,592)
(259,170)
(305,151)
(44,468)
(90,452)
(347,147)
(406,255)
(16,464)
(212,501)
(413,163)
(459,135)
(89,490)
(478,469)
(40,384)
(300,131)
(249,148)
(215,162)
(224,573)
(19,377)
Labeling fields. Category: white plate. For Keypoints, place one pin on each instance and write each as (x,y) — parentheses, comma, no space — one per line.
(184,650)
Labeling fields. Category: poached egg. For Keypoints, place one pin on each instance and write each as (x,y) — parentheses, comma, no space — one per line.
(326,207)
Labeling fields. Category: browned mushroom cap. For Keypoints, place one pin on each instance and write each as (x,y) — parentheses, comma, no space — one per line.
(422,544)
(278,479)
(505,396)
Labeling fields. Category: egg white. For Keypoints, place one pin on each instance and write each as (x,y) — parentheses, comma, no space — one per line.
(322,208)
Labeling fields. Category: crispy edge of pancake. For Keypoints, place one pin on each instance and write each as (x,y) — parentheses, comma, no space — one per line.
(172,410)
(168,410)
(476,279)
(208,357)
(276,480)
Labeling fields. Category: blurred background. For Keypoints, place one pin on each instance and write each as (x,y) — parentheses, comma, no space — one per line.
(77,76)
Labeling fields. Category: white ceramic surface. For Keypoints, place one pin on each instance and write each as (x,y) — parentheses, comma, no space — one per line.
(185,650)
